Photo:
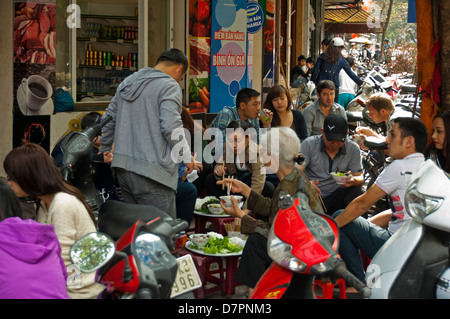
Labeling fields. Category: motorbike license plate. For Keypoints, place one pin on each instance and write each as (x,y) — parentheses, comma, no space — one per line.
(187,277)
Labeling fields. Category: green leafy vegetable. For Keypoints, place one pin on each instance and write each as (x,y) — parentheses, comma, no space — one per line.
(204,207)
(340,173)
(221,246)
(193,90)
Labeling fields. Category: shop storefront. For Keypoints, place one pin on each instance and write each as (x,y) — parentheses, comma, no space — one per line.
(70,56)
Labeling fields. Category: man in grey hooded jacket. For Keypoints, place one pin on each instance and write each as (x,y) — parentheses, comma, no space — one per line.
(147,133)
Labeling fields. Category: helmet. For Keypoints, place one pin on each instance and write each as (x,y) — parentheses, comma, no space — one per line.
(338,42)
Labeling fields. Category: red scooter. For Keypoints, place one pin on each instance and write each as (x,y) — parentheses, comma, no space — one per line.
(303,245)
(142,263)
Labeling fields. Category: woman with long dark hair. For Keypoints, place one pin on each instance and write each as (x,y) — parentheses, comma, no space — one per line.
(439,148)
(31,172)
(279,101)
(330,63)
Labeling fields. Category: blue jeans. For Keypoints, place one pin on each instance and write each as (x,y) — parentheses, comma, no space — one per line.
(186,197)
(360,235)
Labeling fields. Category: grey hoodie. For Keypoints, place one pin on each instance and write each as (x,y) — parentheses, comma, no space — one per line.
(146,111)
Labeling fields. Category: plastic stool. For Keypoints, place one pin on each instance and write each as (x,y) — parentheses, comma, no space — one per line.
(231,266)
(200,223)
(203,264)
(365,260)
(328,287)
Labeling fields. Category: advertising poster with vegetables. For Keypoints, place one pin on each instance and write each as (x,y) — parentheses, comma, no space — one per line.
(228,52)
(34,57)
(199,55)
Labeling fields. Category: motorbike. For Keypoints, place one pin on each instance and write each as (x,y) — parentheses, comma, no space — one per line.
(303,245)
(94,179)
(374,82)
(141,264)
(415,261)
(307,96)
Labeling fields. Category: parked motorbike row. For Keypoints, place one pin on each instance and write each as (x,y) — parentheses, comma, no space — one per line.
(135,250)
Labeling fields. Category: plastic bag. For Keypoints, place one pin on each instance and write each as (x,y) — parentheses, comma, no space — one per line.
(64,102)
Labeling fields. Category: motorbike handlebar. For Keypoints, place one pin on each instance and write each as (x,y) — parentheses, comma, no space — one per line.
(351,280)
(178,225)
(105,120)
(66,171)
(335,266)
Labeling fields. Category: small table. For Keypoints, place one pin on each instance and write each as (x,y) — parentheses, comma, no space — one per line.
(231,265)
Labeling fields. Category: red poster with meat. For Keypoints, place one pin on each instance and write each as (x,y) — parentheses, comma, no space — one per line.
(199,55)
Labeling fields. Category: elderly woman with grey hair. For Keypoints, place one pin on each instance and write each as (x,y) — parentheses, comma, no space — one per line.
(280,149)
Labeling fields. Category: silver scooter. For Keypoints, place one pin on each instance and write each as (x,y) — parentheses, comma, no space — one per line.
(415,262)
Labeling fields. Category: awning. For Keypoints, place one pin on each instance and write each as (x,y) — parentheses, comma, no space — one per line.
(350,20)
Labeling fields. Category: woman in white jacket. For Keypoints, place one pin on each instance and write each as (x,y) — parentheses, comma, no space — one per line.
(31,172)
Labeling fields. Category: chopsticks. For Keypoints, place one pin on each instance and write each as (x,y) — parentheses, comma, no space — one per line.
(228,184)
(229,187)
(233,226)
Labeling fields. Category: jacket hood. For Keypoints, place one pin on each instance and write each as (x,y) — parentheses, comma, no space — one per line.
(132,87)
(27,240)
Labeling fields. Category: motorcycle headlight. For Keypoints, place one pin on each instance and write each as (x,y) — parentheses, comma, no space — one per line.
(419,205)
(280,252)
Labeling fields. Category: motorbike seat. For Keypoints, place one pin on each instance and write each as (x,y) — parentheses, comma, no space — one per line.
(408,88)
(116,217)
(374,143)
(354,116)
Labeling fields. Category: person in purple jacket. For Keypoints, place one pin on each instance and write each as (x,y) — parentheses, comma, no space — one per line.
(330,63)
(31,266)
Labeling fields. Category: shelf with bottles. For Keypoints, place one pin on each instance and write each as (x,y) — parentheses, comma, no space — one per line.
(100,85)
(107,40)
(107,68)
(98,32)
(109,17)
(107,60)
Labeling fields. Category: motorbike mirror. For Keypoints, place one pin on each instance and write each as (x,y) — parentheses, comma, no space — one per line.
(92,251)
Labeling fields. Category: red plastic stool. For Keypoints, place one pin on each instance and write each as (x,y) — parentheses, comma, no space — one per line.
(200,223)
(327,288)
(231,266)
(365,260)
(203,264)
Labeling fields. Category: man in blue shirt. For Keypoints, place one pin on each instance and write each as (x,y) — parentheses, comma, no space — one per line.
(248,105)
